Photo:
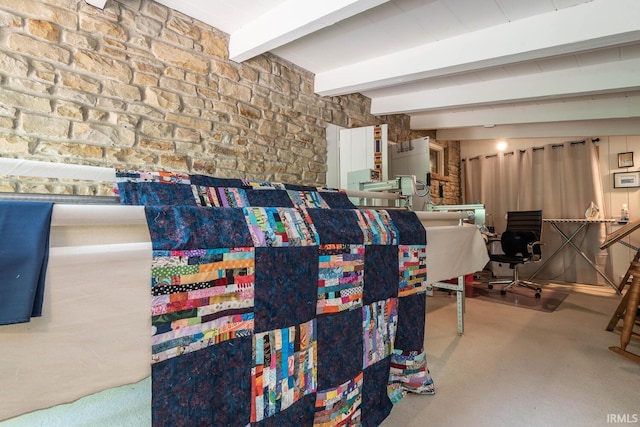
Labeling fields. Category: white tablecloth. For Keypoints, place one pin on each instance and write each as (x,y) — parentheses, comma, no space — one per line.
(454,251)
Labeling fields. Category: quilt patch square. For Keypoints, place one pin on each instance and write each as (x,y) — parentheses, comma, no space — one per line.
(337,199)
(269,198)
(375,400)
(284,368)
(377,227)
(200,298)
(336,226)
(411,322)
(379,324)
(413,269)
(182,227)
(409,227)
(194,390)
(340,278)
(341,405)
(307,199)
(220,197)
(380,273)
(280,227)
(286,286)
(156,194)
(339,335)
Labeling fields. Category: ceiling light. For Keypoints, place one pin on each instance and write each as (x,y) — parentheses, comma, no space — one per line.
(501,145)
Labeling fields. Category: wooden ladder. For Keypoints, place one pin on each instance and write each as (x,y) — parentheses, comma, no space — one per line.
(628,311)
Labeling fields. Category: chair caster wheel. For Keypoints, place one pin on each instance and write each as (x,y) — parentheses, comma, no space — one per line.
(490,286)
(537,295)
(503,292)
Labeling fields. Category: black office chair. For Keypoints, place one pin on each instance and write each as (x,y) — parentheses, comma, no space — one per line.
(521,245)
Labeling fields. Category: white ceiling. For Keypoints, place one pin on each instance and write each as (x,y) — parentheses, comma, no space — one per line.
(451,64)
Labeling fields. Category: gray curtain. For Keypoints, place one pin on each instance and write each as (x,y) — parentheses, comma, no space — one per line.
(562,180)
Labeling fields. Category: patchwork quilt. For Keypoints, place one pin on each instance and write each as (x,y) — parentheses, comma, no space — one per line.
(279,305)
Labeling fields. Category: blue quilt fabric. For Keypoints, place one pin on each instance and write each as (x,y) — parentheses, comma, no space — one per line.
(24,254)
(276,304)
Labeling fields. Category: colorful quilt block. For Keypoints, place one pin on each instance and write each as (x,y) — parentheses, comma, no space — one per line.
(200,298)
(280,227)
(413,269)
(220,197)
(377,227)
(339,335)
(380,272)
(379,324)
(307,199)
(284,368)
(285,287)
(195,389)
(341,405)
(340,278)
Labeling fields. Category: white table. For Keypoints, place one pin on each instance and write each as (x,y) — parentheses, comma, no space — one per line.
(454,251)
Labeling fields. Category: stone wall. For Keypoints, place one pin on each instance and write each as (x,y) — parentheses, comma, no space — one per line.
(138,85)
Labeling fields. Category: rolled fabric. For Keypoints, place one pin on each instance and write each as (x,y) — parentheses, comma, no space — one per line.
(24,252)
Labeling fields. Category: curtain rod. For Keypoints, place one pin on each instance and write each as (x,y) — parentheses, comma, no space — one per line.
(489,156)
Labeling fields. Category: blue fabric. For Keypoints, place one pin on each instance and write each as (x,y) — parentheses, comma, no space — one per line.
(24,252)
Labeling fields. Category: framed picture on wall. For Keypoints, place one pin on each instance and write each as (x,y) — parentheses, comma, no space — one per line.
(625,160)
(626,179)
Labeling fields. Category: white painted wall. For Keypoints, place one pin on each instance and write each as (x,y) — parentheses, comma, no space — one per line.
(609,147)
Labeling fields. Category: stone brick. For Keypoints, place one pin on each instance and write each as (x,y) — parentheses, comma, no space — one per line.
(6,111)
(186,134)
(156,144)
(13,143)
(156,129)
(248,111)
(188,147)
(260,102)
(143,79)
(276,83)
(175,162)
(129,156)
(45,125)
(104,135)
(39,10)
(249,74)
(8,19)
(81,41)
(190,122)
(79,81)
(69,110)
(193,103)
(174,72)
(37,48)
(177,86)
(120,90)
(215,44)
(225,69)
(210,93)
(96,24)
(234,90)
(94,115)
(64,149)
(75,95)
(161,98)
(43,30)
(261,62)
(147,66)
(102,65)
(181,57)
(145,110)
(271,128)
(28,85)
(155,10)
(204,166)
(182,25)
